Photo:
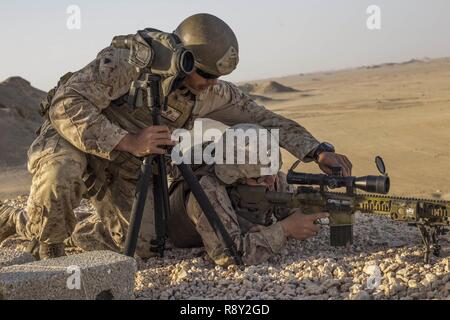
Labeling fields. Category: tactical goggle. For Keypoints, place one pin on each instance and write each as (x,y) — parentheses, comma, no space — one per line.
(205,74)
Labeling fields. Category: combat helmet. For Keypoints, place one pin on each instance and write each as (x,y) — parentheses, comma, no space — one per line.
(213,43)
(233,173)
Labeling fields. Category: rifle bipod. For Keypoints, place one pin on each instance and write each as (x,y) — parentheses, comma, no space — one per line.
(430,239)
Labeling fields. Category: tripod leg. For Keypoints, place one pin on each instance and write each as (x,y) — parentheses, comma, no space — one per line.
(165,193)
(210,213)
(138,207)
(161,199)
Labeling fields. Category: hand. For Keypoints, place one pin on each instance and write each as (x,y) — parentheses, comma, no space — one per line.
(150,140)
(301,226)
(330,159)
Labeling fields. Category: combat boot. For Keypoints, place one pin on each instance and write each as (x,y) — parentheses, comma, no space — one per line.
(51,251)
(7,228)
(33,248)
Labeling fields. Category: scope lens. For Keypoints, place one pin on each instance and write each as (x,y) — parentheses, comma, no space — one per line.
(375,184)
(187,61)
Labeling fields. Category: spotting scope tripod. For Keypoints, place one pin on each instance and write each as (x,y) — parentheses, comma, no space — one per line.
(153,172)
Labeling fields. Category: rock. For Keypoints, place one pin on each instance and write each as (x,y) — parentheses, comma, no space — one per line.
(447,287)
(415,295)
(11,257)
(425,283)
(180,275)
(371,269)
(361,295)
(402,272)
(391,267)
(313,289)
(412,284)
(336,273)
(396,287)
(430,277)
(101,275)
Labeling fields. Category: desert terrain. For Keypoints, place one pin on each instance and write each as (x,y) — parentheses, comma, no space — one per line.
(19,120)
(400,111)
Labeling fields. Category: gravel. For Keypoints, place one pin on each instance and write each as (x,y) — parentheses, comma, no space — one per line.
(385,262)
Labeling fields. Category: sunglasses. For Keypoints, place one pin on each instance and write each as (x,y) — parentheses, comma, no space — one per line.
(205,74)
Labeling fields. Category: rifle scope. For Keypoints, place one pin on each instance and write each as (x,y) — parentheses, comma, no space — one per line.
(375,184)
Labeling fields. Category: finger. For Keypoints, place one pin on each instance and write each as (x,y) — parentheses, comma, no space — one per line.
(159,129)
(347,164)
(345,169)
(159,135)
(157,151)
(164,142)
(325,169)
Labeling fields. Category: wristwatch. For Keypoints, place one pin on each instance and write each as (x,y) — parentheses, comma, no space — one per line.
(323,147)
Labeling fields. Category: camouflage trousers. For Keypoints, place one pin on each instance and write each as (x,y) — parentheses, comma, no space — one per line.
(57,189)
(256,243)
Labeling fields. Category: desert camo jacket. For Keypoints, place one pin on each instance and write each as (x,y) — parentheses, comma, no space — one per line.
(82,111)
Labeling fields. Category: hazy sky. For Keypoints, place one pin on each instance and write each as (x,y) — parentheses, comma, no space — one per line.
(276,37)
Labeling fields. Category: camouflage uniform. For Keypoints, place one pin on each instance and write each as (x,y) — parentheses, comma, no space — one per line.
(75,150)
(257,243)
(257,235)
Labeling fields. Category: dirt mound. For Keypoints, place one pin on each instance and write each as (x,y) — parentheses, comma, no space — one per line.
(19,119)
(274,87)
(248,87)
(266,87)
(257,91)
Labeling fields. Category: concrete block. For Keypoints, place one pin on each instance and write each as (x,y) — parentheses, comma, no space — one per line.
(87,276)
(10,257)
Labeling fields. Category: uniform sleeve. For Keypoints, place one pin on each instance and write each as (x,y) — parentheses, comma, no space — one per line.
(226,103)
(76,109)
(256,246)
